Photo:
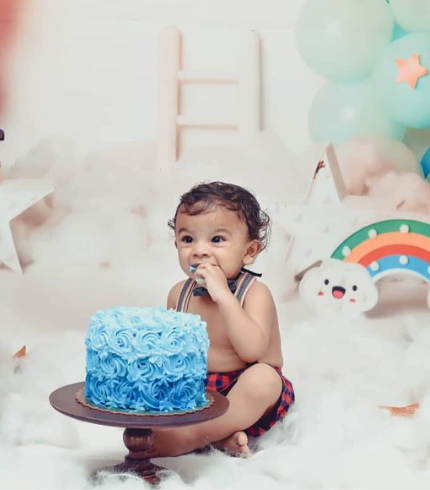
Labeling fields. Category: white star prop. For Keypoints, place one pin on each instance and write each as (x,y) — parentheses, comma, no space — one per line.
(15,197)
(326,216)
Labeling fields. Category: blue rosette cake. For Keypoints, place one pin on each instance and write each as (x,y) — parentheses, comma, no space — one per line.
(146,360)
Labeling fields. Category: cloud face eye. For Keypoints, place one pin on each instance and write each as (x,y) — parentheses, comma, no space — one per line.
(354,288)
(326,282)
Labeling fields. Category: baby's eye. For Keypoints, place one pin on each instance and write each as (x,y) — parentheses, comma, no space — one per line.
(187,239)
(217,239)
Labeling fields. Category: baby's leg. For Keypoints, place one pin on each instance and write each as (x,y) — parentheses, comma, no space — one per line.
(262,397)
(256,391)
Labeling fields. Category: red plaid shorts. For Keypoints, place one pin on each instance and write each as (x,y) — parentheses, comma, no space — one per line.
(224,382)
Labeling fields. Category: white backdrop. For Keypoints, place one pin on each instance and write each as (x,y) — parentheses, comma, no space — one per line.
(87,70)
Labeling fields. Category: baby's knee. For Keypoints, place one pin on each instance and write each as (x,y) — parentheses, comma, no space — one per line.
(262,381)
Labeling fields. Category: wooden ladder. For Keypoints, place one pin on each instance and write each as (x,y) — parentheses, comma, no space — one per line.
(171,76)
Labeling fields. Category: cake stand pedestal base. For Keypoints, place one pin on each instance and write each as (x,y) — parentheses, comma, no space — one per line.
(138,436)
(138,442)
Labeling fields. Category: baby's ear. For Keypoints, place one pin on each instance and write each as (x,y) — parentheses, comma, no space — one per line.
(254,248)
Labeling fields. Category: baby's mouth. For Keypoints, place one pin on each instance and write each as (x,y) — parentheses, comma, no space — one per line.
(193,267)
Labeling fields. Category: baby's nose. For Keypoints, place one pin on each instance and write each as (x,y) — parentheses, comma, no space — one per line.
(200,249)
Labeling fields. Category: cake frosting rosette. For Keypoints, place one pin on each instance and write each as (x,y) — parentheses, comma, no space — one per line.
(146,360)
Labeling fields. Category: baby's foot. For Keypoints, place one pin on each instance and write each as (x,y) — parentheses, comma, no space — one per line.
(236,445)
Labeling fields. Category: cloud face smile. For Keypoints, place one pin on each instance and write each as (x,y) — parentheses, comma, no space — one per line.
(337,286)
(338,292)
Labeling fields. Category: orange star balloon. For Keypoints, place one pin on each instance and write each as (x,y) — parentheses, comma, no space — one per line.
(410,70)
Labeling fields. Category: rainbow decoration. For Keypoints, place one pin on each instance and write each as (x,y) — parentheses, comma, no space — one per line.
(390,246)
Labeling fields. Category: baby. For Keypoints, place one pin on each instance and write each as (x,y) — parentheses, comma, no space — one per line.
(220,228)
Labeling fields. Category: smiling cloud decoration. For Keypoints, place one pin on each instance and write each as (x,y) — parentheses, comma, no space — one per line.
(338,287)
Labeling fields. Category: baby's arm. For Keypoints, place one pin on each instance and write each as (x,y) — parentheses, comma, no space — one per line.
(249,328)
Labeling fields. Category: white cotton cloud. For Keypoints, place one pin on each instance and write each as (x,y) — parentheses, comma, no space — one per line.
(339,287)
(26,420)
(366,158)
(407,192)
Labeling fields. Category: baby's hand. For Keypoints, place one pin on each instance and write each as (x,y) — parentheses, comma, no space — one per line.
(199,280)
(213,279)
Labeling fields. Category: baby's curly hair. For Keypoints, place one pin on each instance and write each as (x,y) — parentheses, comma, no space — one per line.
(232,197)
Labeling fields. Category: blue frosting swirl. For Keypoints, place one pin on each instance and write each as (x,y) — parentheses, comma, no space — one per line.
(146,360)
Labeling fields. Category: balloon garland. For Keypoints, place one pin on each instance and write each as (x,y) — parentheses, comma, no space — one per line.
(375,55)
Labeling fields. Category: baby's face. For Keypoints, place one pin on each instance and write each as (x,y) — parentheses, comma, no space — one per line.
(216,237)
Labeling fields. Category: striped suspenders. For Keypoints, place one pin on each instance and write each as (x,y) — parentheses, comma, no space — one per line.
(184,297)
(242,286)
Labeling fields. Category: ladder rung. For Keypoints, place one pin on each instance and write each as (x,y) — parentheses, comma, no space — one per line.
(221,78)
(189,122)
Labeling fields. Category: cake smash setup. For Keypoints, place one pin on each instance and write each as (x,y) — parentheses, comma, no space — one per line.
(145,368)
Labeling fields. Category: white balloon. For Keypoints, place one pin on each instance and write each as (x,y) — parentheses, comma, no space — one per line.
(412,15)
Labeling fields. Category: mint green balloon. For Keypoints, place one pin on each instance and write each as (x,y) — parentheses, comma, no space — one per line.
(341,39)
(402,104)
(412,15)
(339,112)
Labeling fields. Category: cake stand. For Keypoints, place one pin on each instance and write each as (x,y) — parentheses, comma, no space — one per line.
(138,435)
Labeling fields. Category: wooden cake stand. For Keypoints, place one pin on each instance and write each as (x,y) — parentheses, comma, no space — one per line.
(138,436)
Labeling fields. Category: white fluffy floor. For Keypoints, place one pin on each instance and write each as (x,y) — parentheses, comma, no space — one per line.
(106,244)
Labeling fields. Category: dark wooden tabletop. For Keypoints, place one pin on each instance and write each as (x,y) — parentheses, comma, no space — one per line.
(64,400)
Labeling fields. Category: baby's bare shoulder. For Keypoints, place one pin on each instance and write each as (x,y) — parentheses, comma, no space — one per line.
(174,293)
(259,287)
(260,293)
(178,286)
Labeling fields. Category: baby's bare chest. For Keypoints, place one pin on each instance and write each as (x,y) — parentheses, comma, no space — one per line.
(216,328)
